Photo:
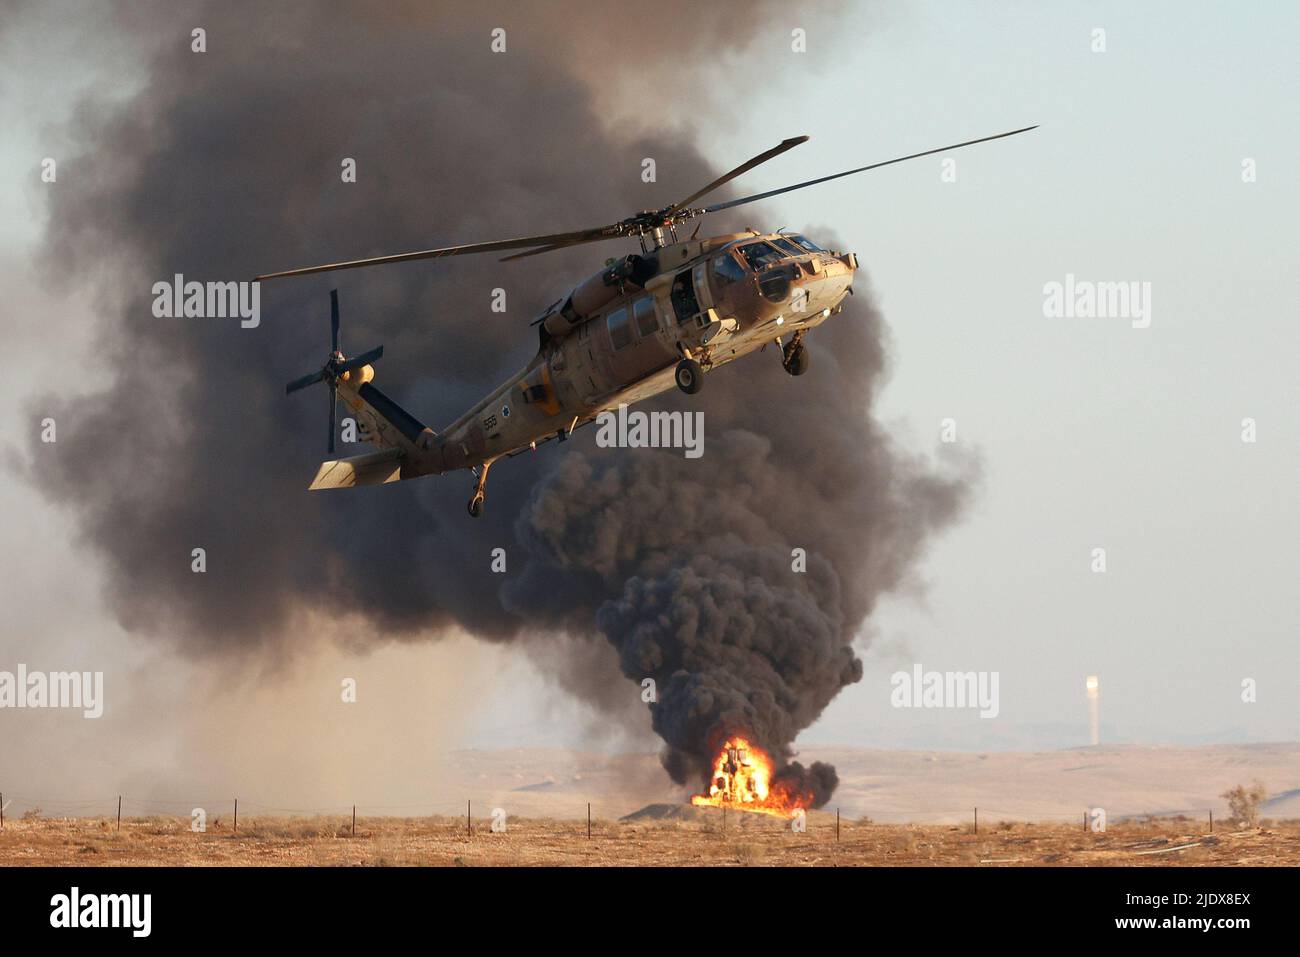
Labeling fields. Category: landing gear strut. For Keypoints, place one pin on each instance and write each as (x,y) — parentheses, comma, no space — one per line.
(480,492)
(794,357)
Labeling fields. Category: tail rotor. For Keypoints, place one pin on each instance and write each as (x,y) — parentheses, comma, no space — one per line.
(335,366)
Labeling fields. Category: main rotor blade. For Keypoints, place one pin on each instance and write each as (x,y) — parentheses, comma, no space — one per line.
(638,225)
(551,248)
(742,168)
(527,242)
(861,169)
(334,321)
(356,362)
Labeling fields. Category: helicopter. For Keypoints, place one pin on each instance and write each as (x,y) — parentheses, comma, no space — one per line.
(665,316)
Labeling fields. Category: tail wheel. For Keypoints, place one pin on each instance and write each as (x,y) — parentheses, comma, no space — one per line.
(689,376)
(476,506)
(796,361)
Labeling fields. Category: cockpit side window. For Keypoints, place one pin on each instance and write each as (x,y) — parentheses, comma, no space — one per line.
(726,271)
(808,244)
(759,255)
(682,295)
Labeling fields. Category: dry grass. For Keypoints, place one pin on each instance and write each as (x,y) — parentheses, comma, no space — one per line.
(753,840)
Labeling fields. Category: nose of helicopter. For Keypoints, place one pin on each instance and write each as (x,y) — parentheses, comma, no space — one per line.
(825,288)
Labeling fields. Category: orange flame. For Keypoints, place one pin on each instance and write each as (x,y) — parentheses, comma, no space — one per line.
(742,780)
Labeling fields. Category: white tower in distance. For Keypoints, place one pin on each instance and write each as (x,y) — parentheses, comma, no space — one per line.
(1094,704)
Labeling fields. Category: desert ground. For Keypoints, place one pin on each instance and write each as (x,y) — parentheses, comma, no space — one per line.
(905,787)
(745,839)
(895,807)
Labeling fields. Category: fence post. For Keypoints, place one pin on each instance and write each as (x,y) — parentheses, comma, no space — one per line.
(119,812)
(469,820)
(236,815)
(589,820)
(354,820)
(1085,822)
(1211,821)
(2,810)
(977,820)
(837,825)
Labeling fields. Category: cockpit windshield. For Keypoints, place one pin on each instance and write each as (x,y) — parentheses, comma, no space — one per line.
(791,248)
(760,255)
(807,244)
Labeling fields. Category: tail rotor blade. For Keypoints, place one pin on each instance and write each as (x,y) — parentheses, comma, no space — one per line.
(334,401)
(356,362)
(302,383)
(334,322)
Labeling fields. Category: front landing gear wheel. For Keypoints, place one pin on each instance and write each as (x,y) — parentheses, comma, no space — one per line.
(796,359)
(689,376)
(476,506)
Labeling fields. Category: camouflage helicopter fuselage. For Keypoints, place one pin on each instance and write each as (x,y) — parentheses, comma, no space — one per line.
(616,339)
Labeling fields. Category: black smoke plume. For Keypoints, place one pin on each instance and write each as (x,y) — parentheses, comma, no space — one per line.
(227,164)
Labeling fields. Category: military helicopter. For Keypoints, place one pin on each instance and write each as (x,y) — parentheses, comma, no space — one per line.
(665,316)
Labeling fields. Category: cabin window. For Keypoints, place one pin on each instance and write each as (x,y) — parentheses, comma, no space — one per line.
(620,328)
(808,244)
(759,255)
(533,388)
(788,246)
(726,270)
(647,323)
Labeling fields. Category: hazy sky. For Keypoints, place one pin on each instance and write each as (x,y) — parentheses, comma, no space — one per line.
(1091,433)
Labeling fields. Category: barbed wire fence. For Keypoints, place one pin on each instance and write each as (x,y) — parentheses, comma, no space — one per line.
(971,818)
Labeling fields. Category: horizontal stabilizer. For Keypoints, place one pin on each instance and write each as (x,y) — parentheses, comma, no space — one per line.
(374,468)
